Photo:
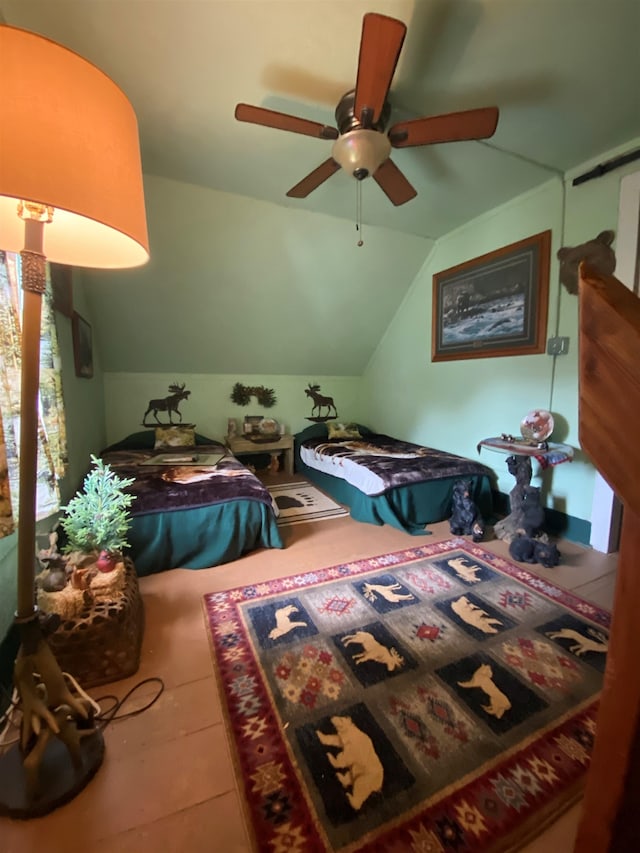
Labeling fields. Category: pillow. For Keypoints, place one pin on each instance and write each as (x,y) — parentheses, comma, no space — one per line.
(337,430)
(174,436)
(146,440)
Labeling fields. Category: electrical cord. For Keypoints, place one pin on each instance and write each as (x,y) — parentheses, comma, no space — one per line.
(107,717)
(102,718)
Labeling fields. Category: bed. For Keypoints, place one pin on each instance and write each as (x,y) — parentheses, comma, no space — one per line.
(195,506)
(387,481)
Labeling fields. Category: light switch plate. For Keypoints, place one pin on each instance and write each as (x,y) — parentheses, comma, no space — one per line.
(557,346)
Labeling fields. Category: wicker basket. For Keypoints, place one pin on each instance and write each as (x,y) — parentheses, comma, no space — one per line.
(101,642)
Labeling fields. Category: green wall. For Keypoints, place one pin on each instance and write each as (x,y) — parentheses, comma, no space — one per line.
(451,405)
(454,404)
(209,405)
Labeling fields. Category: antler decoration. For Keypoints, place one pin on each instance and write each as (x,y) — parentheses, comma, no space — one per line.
(242,394)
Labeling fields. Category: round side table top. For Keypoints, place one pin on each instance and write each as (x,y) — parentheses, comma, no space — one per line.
(546,452)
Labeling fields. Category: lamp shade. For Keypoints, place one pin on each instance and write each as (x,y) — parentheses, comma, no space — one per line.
(361,152)
(69,139)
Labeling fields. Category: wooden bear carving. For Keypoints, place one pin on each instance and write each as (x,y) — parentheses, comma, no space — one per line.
(597,253)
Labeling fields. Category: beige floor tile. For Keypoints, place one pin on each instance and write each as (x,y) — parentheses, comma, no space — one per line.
(137,789)
(561,835)
(213,825)
(179,711)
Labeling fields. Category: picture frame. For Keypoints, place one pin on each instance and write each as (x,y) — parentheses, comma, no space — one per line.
(82,346)
(61,288)
(494,305)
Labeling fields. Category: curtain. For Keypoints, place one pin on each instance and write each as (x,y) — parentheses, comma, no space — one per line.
(52,439)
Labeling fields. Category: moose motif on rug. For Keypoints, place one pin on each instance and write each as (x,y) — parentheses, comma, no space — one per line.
(372,650)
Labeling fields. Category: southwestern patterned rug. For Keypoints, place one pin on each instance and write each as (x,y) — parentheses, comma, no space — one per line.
(435,699)
(301,502)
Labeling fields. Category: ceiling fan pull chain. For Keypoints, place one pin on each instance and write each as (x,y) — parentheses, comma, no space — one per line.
(359,212)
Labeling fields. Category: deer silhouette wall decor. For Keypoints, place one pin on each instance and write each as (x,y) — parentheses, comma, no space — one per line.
(320,402)
(169,404)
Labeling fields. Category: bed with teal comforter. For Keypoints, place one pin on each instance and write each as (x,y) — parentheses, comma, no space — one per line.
(194,507)
(387,481)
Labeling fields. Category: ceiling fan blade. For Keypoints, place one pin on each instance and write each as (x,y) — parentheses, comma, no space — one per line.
(452,127)
(380,46)
(393,183)
(314,179)
(282,121)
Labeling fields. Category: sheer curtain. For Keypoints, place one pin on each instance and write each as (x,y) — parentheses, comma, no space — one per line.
(52,440)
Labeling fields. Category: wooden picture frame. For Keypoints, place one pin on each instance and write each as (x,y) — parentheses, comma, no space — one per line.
(82,346)
(494,305)
(62,288)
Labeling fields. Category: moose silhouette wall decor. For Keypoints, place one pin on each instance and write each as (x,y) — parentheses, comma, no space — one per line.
(169,404)
(320,402)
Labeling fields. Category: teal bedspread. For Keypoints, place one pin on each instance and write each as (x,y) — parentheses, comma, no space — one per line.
(201,537)
(193,523)
(410,507)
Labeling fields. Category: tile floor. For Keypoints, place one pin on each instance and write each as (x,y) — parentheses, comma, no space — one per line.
(167,781)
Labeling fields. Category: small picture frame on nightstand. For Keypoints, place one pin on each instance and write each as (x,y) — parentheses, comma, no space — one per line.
(232,427)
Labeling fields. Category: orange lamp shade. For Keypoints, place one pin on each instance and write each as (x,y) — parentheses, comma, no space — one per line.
(69,139)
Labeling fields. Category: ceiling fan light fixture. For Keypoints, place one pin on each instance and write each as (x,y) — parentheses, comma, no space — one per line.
(361,152)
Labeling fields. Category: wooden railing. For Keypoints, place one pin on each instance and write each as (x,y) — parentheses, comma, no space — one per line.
(609,415)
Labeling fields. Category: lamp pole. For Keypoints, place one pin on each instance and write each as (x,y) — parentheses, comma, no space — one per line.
(33,285)
(70,171)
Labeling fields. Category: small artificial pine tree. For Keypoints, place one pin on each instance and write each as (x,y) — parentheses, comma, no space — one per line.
(97,519)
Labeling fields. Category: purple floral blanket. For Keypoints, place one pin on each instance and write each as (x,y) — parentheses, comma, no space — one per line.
(163,487)
(381,462)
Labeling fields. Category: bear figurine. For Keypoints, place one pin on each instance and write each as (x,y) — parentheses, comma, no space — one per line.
(465,516)
(524,549)
(532,517)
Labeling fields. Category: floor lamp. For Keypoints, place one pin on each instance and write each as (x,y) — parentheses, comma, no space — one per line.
(70,192)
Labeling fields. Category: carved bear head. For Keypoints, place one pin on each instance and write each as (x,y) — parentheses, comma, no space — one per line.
(597,253)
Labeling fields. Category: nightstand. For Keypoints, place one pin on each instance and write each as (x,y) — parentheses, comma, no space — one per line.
(241,446)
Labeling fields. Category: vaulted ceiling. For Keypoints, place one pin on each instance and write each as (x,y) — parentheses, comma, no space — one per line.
(564,74)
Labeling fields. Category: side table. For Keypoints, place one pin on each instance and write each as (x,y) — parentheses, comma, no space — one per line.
(521,452)
(546,453)
(241,446)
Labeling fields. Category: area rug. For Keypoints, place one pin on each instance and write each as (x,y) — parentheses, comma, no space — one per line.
(435,699)
(301,502)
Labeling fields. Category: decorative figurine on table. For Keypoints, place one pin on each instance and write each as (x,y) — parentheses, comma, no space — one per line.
(465,516)
(320,402)
(169,404)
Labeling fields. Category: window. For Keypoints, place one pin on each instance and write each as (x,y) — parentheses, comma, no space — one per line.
(52,442)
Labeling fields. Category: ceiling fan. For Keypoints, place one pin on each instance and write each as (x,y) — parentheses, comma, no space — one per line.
(361,146)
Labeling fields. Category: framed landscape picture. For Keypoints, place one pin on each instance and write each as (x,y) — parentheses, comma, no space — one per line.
(494,305)
(61,287)
(82,346)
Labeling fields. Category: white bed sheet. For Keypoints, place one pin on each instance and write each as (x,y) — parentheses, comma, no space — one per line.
(346,469)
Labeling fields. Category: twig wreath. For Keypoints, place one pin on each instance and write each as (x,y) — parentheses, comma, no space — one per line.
(242,394)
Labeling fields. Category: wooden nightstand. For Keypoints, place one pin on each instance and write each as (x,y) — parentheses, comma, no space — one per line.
(240,446)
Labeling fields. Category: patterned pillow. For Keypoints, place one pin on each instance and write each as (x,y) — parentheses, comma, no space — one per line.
(336,430)
(174,436)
